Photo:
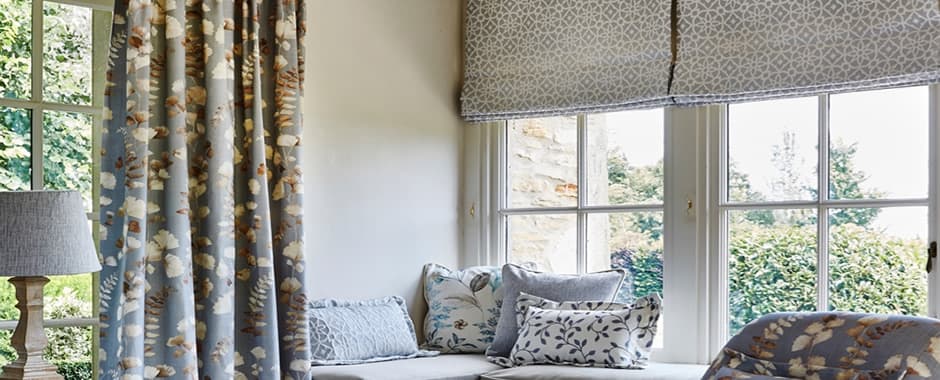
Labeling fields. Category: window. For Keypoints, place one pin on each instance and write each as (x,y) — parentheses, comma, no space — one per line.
(52,62)
(815,203)
(824,204)
(585,193)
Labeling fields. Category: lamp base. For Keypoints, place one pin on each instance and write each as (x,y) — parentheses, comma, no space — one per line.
(29,338)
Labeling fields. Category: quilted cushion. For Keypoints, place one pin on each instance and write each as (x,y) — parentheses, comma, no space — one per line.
(354,332)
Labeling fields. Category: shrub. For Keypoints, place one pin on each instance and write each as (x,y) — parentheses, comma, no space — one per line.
(75,370)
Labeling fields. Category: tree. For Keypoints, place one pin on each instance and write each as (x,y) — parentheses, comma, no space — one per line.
(846,183)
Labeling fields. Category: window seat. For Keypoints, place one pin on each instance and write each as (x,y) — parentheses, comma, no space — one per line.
(476,367)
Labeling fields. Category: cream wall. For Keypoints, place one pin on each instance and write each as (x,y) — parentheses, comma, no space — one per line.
(383,145)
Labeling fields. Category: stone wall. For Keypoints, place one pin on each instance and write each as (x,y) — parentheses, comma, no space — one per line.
(542,173)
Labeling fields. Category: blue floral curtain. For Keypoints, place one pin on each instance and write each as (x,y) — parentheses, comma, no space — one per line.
(201,189)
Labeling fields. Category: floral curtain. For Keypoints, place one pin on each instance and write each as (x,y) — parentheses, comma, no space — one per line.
(201,189)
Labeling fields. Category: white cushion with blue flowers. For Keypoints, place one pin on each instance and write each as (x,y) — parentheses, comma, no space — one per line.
(463,308)
(592,334)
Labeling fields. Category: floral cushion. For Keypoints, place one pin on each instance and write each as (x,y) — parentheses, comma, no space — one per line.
(834,345)
(598,334)
(463,308)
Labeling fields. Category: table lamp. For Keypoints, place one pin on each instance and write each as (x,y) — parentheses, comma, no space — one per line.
(42,233)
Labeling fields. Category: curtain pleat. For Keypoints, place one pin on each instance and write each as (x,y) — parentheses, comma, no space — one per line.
(201,205)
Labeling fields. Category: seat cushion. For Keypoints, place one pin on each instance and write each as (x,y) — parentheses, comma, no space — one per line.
(444,367)
(655,371)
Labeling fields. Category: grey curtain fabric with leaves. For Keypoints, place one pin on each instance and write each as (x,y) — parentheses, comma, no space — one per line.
(201,192)
(532,58)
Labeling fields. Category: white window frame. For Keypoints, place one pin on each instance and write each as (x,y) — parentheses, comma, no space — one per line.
(695,263)
(36,105)
(716,118)
(487,212)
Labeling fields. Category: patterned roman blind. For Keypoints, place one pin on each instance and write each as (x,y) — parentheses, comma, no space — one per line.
(527,58)
(748,50)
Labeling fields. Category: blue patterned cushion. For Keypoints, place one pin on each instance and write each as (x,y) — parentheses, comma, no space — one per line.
(463,308)
(355,332)
(835,346)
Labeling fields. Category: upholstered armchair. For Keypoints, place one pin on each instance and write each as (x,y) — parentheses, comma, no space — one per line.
(832,345)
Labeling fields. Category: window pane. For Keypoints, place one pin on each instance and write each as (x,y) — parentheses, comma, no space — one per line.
(625,157)
(771,263)
(873,134)
(15,148)
(543,162)
(772,150)
(67,161)
(631,241)
(64,297)
(549,241)
(15,48)
(877,259)
(66,54)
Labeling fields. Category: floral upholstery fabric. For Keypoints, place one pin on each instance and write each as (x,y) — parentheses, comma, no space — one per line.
(201,192)
(463,308)
(725,373)
(834,345)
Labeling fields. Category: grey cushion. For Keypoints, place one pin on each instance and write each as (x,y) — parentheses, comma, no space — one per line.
(444,367)
(355,332)
(600,286)
(655,371)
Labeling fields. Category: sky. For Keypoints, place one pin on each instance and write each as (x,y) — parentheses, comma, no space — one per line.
(889,126)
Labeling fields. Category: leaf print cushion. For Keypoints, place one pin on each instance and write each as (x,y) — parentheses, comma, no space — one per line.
(463,308)
(589,334)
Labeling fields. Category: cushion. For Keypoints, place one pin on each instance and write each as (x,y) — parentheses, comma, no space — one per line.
(444,367)
(353,332)
(655,371)
(798,368)
(600,286)
(463,308)
(586,333)
(726,373)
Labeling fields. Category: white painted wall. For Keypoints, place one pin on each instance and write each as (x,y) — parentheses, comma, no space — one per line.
(383,145)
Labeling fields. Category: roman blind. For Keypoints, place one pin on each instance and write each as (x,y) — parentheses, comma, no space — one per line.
(528,58)
(748,50)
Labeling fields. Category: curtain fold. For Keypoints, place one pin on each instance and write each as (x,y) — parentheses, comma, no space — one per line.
(201,192)
(749,50)
(533,58)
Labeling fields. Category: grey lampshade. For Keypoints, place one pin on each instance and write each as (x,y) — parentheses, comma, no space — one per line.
(44,233)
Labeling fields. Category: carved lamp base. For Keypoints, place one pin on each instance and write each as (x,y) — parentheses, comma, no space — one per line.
(29,338)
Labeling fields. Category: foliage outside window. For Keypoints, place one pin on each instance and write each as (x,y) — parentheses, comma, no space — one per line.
(868,228)
(48,114)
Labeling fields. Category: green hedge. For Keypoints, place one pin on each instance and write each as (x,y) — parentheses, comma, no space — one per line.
(74,370)
(774,269)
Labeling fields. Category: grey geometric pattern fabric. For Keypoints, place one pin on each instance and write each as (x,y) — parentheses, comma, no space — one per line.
(744,50)
(527,58)
(535,58)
